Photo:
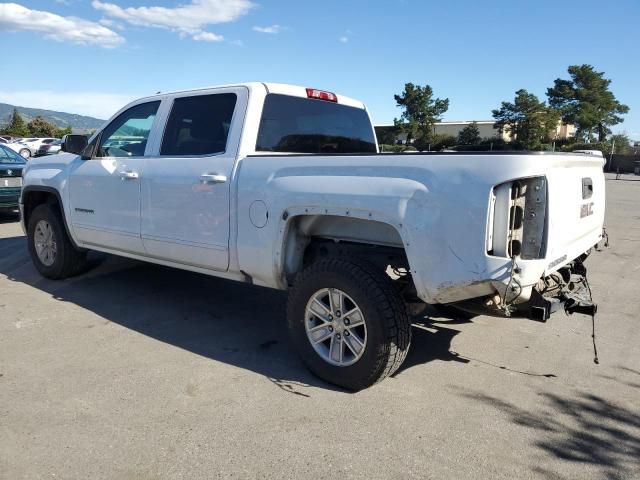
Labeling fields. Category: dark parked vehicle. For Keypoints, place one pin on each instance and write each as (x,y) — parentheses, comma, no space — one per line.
(49,148)
(11,165)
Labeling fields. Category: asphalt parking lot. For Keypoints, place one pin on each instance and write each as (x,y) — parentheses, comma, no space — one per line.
(138,371)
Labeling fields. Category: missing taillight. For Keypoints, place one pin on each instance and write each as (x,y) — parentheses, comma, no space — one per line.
(518,219)
(535,218)
(515,248)
(515,217)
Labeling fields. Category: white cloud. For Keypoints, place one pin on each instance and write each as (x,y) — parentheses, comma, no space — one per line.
(269,29)
(207,37)
(14,17)
(93,104)
(107,22)
(187,19)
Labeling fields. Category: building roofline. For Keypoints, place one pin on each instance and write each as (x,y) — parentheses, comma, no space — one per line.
(461,122)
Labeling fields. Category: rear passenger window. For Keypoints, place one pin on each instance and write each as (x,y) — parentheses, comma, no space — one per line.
(199,125)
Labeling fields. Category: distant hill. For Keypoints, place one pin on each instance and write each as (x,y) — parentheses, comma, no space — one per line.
(60,119)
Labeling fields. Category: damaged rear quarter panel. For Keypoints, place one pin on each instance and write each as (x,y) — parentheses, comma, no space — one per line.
(437,203)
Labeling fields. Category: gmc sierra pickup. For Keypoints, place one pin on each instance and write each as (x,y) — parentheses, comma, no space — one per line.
(283,186)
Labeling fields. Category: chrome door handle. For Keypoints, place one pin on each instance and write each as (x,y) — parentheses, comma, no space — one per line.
(129,175)
(212,178)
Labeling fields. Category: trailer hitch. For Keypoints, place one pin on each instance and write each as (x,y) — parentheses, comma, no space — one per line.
(579,299)
(585,309)
(569,289)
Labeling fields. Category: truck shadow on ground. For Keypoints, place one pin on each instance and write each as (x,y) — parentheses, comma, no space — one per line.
(431,340)
(9,217)
(239,324)
(582,428)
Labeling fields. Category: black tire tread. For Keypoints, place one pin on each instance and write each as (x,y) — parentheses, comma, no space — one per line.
(73,260)
(389,303)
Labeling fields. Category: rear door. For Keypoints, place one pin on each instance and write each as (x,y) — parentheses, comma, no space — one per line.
(186,185)
(104,192)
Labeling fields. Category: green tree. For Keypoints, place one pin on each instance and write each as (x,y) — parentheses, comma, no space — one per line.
(386,135)
(61,132)
(529,121)
(420,112)
(469,135)
(586,101)
(39,127)
(442,141)
(620,143)
(17,127)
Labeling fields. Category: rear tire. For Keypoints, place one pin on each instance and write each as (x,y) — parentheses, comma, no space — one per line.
(50,248)
(385,329)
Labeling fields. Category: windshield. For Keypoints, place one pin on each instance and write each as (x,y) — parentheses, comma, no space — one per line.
(9,156)
(300,125)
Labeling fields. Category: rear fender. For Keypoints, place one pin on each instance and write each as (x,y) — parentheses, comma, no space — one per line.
(298,225)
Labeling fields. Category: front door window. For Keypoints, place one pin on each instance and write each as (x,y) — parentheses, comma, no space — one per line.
(127,135)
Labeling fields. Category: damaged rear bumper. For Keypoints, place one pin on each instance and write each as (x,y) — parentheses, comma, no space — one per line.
(565,289)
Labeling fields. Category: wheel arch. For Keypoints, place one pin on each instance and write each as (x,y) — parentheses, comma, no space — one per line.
(303,230)
(32,196)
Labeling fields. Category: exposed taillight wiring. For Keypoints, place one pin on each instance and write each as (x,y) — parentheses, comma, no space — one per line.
(505,302)
(593,323)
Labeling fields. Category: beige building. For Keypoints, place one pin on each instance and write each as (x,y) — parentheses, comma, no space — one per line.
(485,127)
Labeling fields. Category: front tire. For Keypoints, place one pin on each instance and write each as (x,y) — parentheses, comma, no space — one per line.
(50,248)
(25,153)
(348,323)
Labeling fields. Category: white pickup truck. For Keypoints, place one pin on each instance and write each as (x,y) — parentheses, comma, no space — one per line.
(283,187)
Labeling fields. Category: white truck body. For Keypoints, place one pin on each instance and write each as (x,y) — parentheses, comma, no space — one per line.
(436,204)
(248,215)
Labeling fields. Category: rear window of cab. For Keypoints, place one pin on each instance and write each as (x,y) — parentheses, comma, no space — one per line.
(301,125)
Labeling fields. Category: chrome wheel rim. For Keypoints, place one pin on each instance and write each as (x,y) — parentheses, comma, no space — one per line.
(24,153)
(45,243)
(335,327)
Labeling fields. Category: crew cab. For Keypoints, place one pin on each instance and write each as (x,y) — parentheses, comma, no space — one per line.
(283,186)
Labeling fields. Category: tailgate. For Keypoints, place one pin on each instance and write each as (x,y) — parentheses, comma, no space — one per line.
(576,195)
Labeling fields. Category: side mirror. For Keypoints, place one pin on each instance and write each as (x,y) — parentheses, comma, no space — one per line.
(74,144)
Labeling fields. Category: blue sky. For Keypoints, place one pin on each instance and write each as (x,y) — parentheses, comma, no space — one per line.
(476,53)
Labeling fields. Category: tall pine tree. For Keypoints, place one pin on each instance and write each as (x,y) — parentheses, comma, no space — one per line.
(17,127)
(528,120)
(586,101)
(420,112)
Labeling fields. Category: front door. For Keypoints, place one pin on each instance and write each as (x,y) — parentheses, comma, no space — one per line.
(104,192)
(186,187)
